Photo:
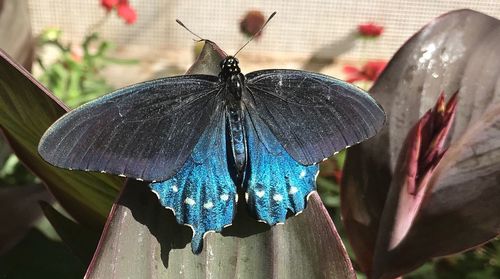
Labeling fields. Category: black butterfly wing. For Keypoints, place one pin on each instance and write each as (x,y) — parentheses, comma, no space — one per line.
(312,115)
(144,131)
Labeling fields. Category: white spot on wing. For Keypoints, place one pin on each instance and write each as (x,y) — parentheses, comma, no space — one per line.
(175,189)
(293,190)
(302,174)
(260,193)
(189,201)
(278,197)
(224,197)
(208,205)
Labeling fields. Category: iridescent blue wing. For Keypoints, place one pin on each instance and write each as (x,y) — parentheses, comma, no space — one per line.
(202,194)
(276,184)
(312,115)
(145,131)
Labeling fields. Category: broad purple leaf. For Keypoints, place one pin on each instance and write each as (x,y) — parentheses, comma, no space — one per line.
(15,31)
(19,208)
(143,240)
(18,211)
(456,52)
(27,109)
(79,239)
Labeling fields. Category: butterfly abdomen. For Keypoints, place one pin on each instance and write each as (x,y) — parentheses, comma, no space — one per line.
(238,137)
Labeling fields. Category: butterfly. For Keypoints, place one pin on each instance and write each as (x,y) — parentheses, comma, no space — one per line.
(200,140)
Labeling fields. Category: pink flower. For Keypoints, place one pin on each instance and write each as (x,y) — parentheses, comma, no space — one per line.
(369,72)
(435,127)
(420,154)
(332,170)
(425,142)
(109,4)
(126,12)
(337,174)
(370,29)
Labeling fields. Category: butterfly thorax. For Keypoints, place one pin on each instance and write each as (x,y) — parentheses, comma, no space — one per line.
(234,81)
(231,74)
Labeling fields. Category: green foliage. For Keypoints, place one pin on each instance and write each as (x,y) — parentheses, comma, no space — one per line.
(75,76)
(13,173)
(329,179)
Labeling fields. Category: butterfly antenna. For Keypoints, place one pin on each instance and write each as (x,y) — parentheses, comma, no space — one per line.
(258,32)
(184,26)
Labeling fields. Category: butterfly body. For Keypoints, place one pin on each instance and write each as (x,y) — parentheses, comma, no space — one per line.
(201,139)
(234,81)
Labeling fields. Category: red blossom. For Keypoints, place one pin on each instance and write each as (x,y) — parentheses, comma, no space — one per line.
(337,174)
(109,4)
(126,12)
(420,154)
(252,23)
(370,29)
(332,170)
(425,142)
(123,9)
(369,72)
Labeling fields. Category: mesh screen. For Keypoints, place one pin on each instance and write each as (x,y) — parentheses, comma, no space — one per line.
(300,26)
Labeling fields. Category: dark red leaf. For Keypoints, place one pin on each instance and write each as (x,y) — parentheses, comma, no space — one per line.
(19,210)
(454,204)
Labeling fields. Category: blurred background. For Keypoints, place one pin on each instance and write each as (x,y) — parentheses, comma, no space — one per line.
(300,30)
(83,49)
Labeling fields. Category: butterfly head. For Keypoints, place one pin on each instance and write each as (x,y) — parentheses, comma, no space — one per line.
(229,67)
